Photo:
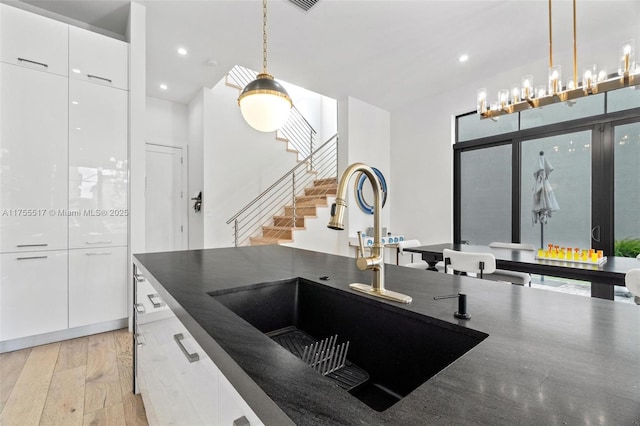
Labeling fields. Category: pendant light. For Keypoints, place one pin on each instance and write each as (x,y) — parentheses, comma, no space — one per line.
(264,103)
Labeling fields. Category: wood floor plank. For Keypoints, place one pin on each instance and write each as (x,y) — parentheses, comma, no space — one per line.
(11,365)
(25,404)
(134,412)
(73,353)
(65,400)
(123,341)
(108,416)
(103,382)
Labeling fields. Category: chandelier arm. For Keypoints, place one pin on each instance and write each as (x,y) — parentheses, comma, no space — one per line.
(575,47)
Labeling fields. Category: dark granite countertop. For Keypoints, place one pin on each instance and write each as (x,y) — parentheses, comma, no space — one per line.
(550,358)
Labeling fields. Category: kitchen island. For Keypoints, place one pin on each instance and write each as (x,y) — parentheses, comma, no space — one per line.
(549,358)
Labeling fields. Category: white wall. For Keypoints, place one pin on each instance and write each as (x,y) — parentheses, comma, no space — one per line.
(365,137)
(166,123)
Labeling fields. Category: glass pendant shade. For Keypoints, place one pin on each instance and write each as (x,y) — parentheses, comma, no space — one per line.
(265,104)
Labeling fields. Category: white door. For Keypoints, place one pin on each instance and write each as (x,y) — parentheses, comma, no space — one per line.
(164,193)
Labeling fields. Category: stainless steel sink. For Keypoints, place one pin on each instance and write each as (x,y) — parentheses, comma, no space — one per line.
(399,349)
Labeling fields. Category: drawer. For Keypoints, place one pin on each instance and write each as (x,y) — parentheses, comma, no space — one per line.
(181,381)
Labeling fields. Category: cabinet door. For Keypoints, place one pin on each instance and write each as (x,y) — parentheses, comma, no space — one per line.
(97,58)
(97,165)
(97,285)
(33,293)
(33,163)
(33,41)
(179,391)
(232,406)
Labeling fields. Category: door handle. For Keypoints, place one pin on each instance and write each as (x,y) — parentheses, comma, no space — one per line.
(594,230)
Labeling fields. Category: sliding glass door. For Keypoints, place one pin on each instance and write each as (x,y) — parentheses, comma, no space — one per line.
(626,148)
(485,201)
(568,159)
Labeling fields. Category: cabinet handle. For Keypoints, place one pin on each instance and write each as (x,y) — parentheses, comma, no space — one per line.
(139,277)
(98,253)
(140,308)
(139,339)
(241,421)
(97,242)
(99,78)
(31,257)
(33,62)
(190,357)
(32,245)
(153,302)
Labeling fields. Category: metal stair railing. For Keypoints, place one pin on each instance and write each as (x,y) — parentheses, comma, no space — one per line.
(259,212)
(300,135)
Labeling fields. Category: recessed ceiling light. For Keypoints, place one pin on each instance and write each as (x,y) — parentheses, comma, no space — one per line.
(463,58)
(163,86)
(182,51)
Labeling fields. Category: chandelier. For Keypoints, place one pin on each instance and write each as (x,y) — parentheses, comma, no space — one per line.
(594,80)
(264,103)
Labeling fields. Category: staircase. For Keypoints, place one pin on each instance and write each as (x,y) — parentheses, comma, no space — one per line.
(272,216)
(293,219)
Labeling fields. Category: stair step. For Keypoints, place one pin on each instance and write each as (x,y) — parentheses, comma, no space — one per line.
(331,189)
(282,232)
(325,181)
(311,200)
(300,211)
(263,241)
(288,221)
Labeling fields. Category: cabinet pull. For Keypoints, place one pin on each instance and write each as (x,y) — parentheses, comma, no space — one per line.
(99,78)
(33,62)
(241,421)
(191,357)
(140,308)
(31,257)
(139,277)
(97,242)
(32,245)
(158,303)
(139,339)
(98,253)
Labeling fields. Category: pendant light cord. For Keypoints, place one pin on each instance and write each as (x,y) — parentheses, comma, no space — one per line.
(550,38)
(264,36)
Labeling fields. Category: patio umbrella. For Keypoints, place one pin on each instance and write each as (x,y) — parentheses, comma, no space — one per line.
(544,201)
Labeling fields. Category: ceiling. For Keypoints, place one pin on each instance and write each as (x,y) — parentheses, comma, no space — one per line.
(388,53)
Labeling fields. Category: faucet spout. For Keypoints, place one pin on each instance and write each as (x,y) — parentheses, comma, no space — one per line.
(374,262)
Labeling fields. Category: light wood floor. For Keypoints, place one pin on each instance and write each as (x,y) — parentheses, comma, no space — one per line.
(84,381)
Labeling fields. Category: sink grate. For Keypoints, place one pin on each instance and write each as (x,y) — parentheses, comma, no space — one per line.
(325,356)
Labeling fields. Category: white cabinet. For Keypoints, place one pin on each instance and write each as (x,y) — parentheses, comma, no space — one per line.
(180,380)
(63,178)
(33,41)
(98,59)
(33,293)
(98,171)
(232,407)
(97,285)
(33,163)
